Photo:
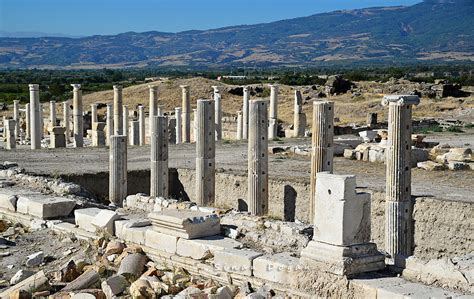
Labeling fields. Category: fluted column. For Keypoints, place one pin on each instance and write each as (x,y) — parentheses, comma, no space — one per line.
(239,125)
(399,208)
(134,137)
(41,121)
(27,121)
(159,157)
(35,126)
(16,117)
(299,119)
(245,113)
(258,158)
(77,116)
(125,122)
(218,112)
(117,170)
(66,120)
(10,127)
(273,114)
(322,150)
(153,107)
(177,113)
(186,114)
(94,118)
(118,106)
(141,120)
(205,153)
(109,122)
(194,125)
(52,113)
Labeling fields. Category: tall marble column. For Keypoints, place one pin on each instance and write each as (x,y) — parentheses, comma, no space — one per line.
(177,113)
(205,153)
(398,204)
(117,170)
(194,125)
(299,119)
(52,113)
(16,117)
(258,157)
(159,157)
(77,116)
(41,121)
(186,114)
(118,106)
(218,112)
(322,145)
(27,121)
(94,118)
(239,125)
(273,115)
(134,137)
(66,120)
(125,122)
(245,113)
(35,126)
(109,122)
(141,120)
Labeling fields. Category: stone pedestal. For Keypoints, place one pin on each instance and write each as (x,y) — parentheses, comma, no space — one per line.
(57,138)
(245,113)
(9,126)
(186,116)
(94,118)
(35,126)
(341,240)
(66,120)
(109,123)
(399,207)
(134,136)
(239,126)
(258,158)
(159,157)
(98,134)
(141,130)
(218,112)
(118,112)
(322,145)
(177,114)
(16,117)
(273,114)
(205,153)
(117,170)
(299,119)
(77,116)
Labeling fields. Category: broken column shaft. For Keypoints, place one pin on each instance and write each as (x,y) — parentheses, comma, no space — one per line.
(52,114)
(134,137)
(77,116)
(117,169)
(153,107)
(10,127)
(205,153)
(239,125)
(118,106)
(399,208)
(218,112)
(186,115)
(35,126)
(141,129)
(177,113)
(245,113)
(66,120)
(299,119)
(16,117)
(322,150)
(159,157)
(258,158)
(94,118)
(109,122)
(125,122)
(273,114)
(27,121)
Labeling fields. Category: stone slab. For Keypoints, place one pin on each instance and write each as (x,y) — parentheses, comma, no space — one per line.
(130,231)
(279,268)
(45,207)
(160,241)
(84,218)
(8,200)
(236,260)
(104,221)
(204,248)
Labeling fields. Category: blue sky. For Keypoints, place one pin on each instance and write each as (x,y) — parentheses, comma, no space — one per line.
(88,17)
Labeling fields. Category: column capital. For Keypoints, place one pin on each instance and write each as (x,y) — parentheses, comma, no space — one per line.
(76,86)
(178,109)
(186,87)
(153,87)
(274,86)
(401,100)
(118,87)
(246,87)
(216,88)
(34,87)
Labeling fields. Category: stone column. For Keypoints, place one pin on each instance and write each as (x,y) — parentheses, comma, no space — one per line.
(177,113)
(117,170)
(98,134)
(153,107)
(245,113)
(4,123)
(118,124)
(27,121)
(299,119)
(56,137)
(194,125)
(35,126)
(52,114)
(125,121)
(398,206)
(160,110)
(239,125)
(16,117)
(94,117)
(186,114)
(258,158)
(371,119)
(10,126)
(205,153)
(66,120)
(109,122)
(141,128)
(218,112)
(159,157)
(77,116)
(273,115)
(41,121)
(134,137)
(322,151)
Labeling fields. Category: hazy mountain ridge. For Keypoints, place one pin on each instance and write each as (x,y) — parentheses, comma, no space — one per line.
(432,30)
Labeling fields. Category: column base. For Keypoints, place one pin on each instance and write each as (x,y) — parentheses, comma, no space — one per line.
(343,260)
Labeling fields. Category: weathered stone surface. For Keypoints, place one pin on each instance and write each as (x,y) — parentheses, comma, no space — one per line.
(84,218)
(235,260)
(34,259)
(278,268)
(455,165)
(185,223)
(431,166)
(104,221)
(160,241)
(8,201)
(204,248)
(20,276)
(44,206)
(349,154)
(132,231)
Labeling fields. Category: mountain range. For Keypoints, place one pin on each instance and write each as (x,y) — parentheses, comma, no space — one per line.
(433,31)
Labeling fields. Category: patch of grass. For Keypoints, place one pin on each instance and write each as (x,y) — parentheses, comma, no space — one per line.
(455,129)
(226,141)
(469,126)
(428,130)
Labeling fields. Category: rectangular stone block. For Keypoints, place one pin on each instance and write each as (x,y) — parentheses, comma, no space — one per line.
(84,218)
(8,201)
(199,249)
(185,223)
(279,268)
(104,221)
(44,206)
(132,231)
(236,260)
(160,241)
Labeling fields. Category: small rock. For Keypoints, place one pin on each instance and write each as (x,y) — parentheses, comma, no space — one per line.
(141,288)
(20,294)
(224,293)
(114,247)
(114,285)
(20,276)
(35,259)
